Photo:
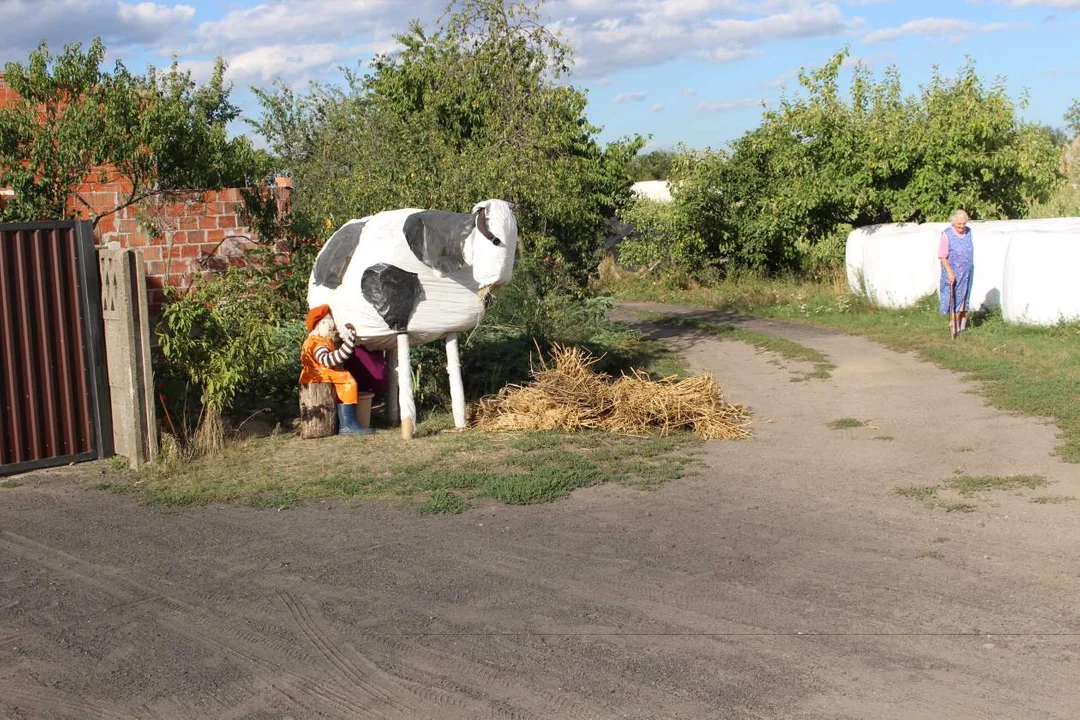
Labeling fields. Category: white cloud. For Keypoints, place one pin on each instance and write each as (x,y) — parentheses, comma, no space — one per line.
(728,105)
(630,97)
(624,34)
(23,23)
(312,22)
(656,108)
(938,26)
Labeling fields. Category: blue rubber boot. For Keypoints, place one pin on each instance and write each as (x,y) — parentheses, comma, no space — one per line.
(347,424)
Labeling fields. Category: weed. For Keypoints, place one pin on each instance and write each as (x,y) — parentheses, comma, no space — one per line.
(887,438)
(10,484)
(933,554)
(442,502)
(917,492)
(1051,499)
(971,484)
(846,423)
(940,539)
(118,463)
(958,507)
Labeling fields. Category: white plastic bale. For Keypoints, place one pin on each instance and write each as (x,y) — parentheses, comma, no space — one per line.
(990,246)
(1039,285)
(658,190)
(900,263)
(853,259)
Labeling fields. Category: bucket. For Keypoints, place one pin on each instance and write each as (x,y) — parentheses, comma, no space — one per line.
(363,409)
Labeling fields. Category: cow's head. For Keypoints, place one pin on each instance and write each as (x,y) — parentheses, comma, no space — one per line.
(490,248)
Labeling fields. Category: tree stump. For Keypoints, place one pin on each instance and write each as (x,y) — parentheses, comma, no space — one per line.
(318,410)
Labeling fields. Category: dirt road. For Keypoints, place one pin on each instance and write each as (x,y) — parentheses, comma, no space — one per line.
(787,580)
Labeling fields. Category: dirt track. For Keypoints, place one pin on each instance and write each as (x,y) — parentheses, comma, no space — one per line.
(786,580)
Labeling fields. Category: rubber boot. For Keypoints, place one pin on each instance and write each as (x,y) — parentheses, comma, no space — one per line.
(347,424)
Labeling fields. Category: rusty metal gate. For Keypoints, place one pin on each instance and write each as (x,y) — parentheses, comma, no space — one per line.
(54,395)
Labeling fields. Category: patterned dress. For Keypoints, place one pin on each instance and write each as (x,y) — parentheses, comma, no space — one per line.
(961,254)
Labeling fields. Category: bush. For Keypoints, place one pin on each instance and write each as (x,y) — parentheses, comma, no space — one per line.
(221,334)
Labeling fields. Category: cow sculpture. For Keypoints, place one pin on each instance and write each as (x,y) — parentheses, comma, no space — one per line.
(410,276)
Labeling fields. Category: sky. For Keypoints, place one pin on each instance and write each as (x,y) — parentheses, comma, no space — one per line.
(696,72)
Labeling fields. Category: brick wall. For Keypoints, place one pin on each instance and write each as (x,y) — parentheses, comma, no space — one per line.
(194,233)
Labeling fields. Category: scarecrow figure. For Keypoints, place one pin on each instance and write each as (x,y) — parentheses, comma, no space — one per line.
(321,361)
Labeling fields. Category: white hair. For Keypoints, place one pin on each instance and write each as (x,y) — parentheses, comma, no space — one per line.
(958,215)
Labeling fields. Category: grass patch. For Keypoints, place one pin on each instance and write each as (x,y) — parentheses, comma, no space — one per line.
(933,554)
(918,492)
(442,502)
(884,438)
(1029,370)
(841,423)
(440,472)
(958,507)
(971,484)
(783,347)
(1051,499)
(940,539)
(10,484)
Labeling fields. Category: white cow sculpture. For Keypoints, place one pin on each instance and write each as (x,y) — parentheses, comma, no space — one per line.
(414,276)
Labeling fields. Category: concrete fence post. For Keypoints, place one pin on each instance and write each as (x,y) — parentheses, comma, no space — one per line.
(127,353)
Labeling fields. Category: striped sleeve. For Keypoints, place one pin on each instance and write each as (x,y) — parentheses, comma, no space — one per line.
(337,358)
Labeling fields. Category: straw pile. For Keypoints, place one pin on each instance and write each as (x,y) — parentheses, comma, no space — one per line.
(566,394)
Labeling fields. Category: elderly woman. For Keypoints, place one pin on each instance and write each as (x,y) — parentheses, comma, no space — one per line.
(956,254)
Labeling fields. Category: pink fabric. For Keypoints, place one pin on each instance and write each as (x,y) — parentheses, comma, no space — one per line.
(943,246)
(370,370)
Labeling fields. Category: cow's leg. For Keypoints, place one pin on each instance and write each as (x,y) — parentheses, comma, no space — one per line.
(457,390)
(392,414)
(406,406)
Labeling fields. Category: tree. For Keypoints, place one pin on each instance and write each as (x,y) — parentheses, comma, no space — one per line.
(821,163)
(75,123)
(475,107)
(651,166)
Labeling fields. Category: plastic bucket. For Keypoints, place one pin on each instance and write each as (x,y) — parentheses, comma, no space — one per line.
(363,409)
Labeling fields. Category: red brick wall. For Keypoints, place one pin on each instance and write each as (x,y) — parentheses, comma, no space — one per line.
(199,232)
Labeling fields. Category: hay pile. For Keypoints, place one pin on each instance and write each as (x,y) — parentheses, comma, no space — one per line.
(567,395)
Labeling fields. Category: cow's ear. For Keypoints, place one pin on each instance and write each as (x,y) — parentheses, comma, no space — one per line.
(482,226)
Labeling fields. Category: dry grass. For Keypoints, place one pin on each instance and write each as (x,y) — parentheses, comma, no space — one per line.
(567,395)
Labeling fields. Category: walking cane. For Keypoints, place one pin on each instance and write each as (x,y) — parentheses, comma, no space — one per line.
(953,331)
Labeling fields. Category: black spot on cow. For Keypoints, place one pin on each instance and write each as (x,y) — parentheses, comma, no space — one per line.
(334,259)
(437,238)
(393,292)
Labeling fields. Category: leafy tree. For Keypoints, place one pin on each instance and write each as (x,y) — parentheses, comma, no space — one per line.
(651,166)
(821,163)
(476,107)
(76,123)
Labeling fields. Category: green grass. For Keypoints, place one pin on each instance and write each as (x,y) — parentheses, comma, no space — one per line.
(958,507)
(1052,499)
(438,471)
(841,423)
(1029,370)
(822,367)
(10,484)
(918,492)
(971,484)
(886,438)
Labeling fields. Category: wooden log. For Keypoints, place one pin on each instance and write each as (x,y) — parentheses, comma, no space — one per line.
(318,410)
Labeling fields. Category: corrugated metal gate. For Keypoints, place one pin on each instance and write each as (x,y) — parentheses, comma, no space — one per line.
(54,395)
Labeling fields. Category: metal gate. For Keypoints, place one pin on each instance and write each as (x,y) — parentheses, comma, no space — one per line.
(54,394)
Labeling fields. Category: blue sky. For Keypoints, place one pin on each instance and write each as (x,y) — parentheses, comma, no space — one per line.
(691,71)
